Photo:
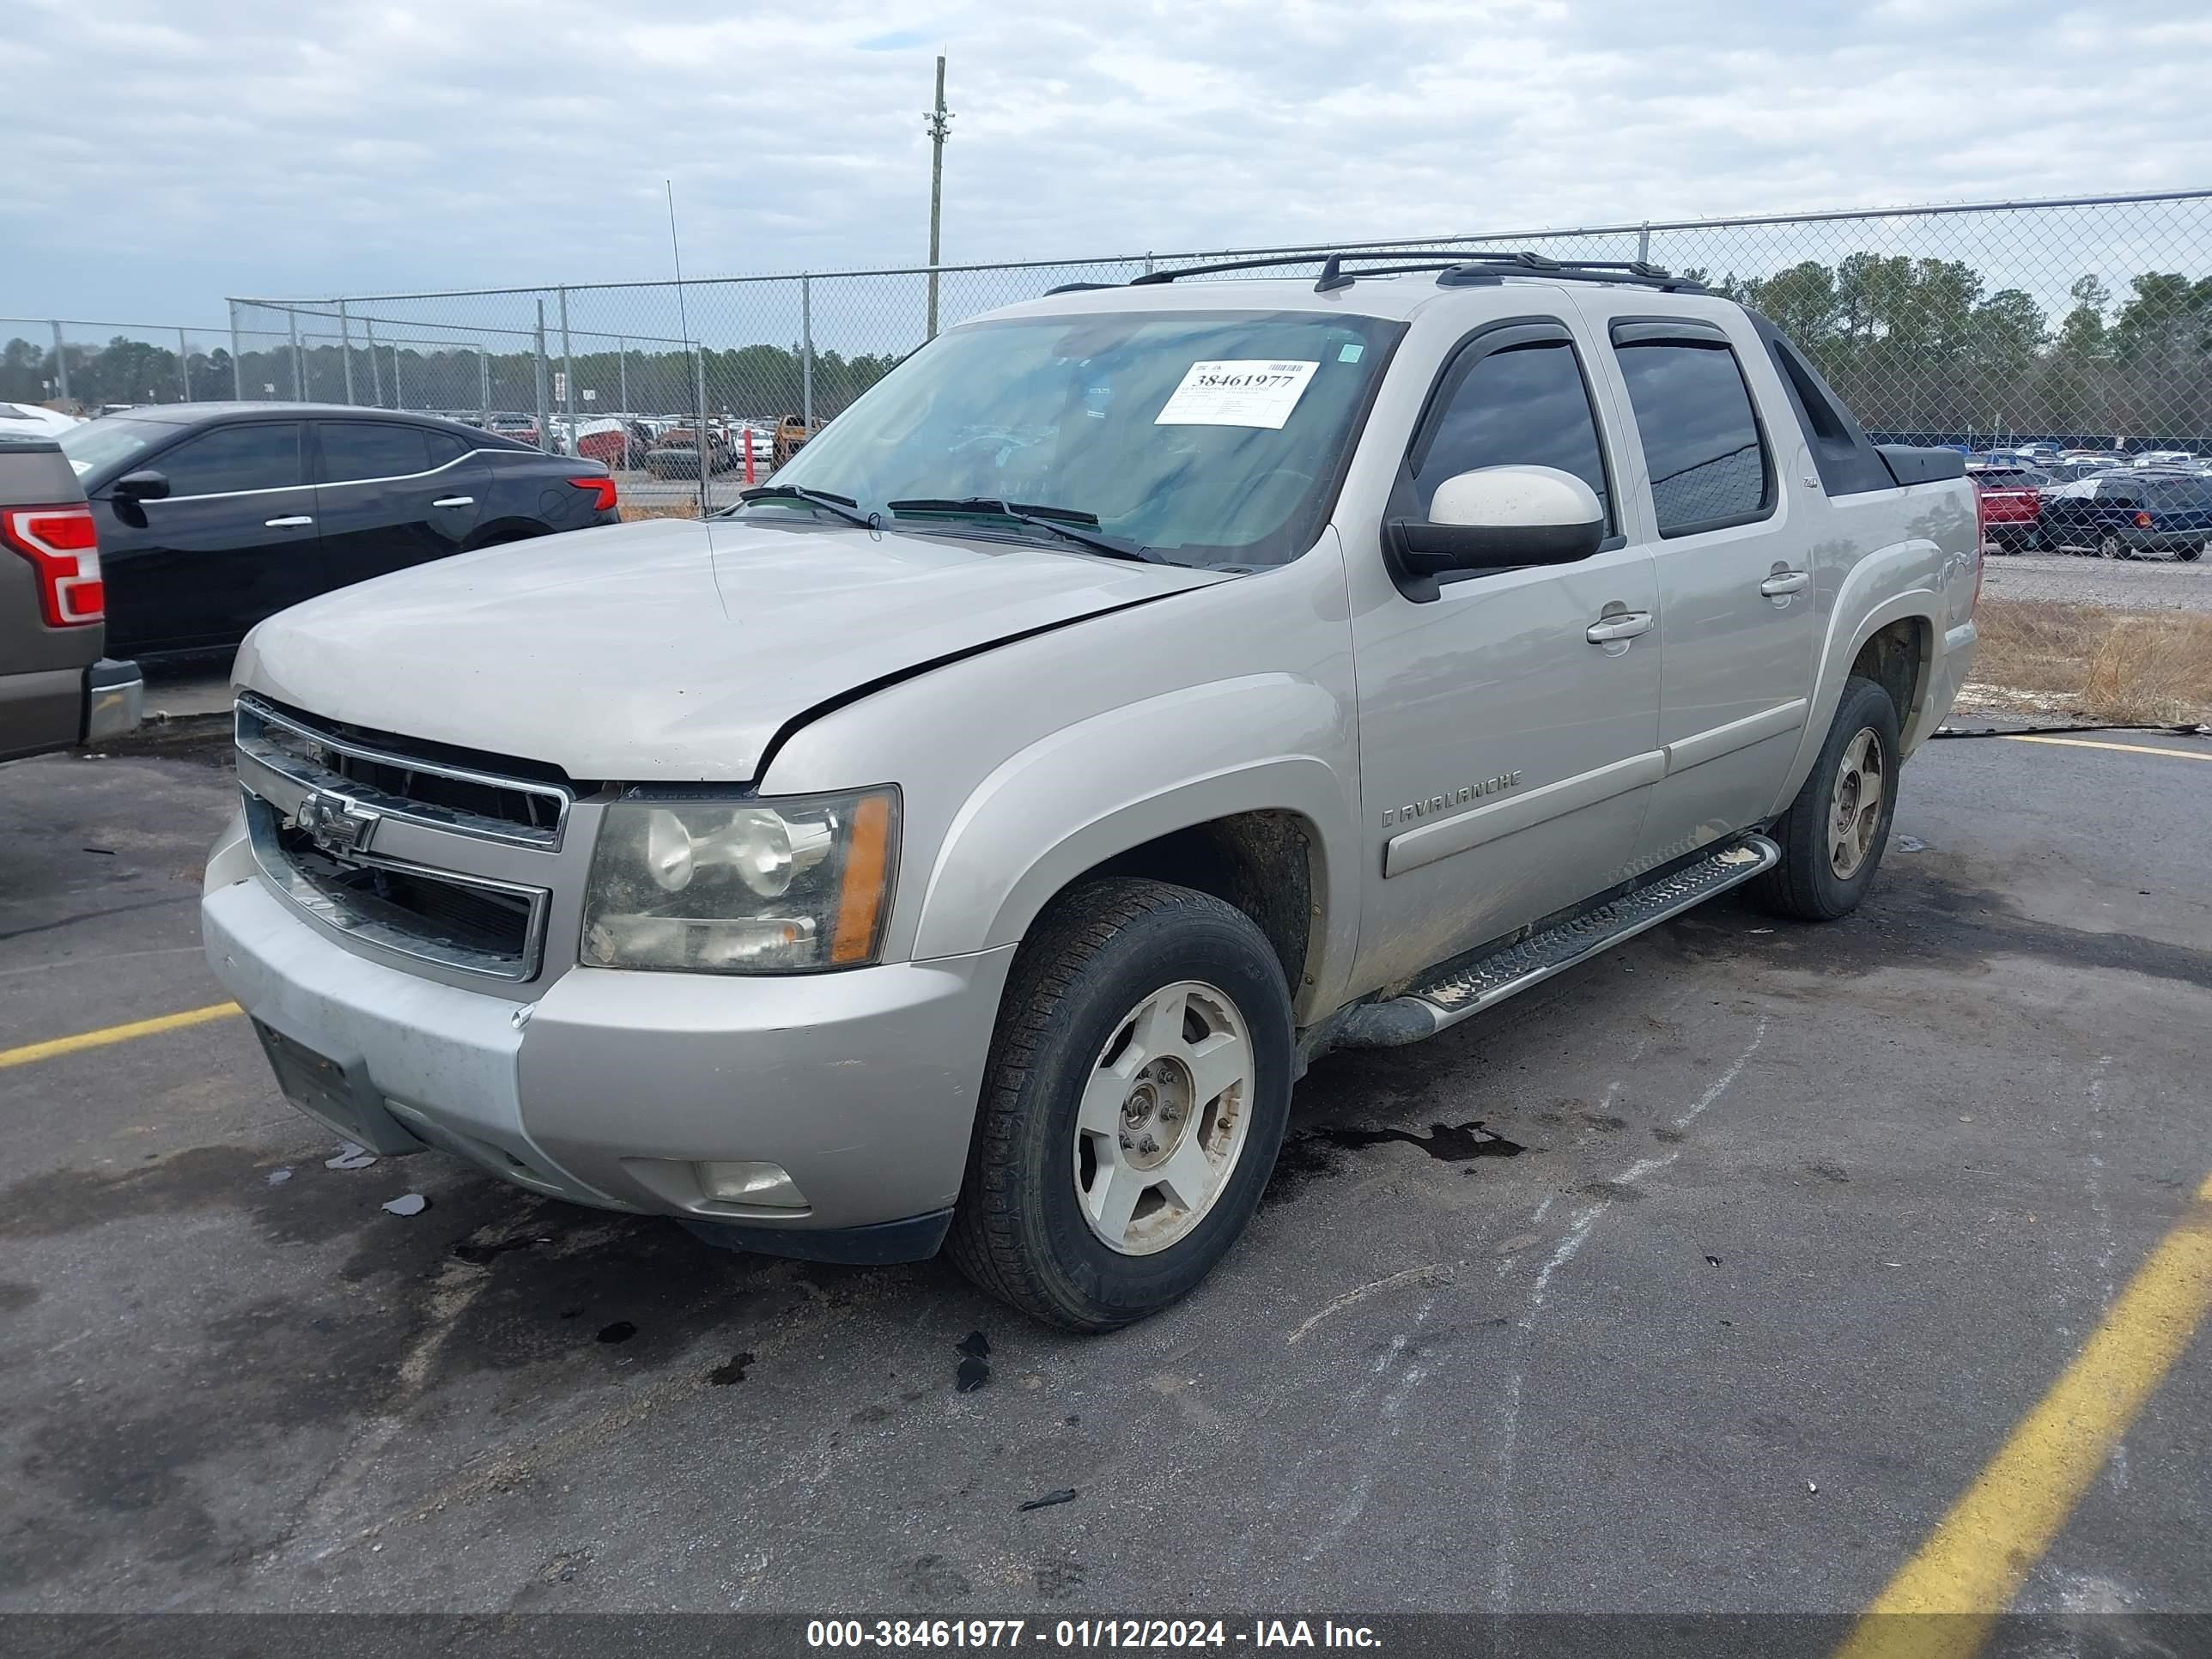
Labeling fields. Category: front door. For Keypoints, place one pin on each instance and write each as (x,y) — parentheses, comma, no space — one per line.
(1505,752)
(389,494)
(1737,603)
(233,542)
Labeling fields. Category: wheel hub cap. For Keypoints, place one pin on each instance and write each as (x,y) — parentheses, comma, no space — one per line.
(1855,806)
(1160,1126)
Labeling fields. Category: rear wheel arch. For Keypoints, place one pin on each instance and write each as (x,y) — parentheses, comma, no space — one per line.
(1899,656)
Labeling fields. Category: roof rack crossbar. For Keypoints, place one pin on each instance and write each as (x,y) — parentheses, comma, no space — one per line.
(1479,264)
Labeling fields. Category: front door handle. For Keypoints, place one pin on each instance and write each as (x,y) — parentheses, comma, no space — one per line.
(1786,581)
(292,523)
(1627,625)
(455,501)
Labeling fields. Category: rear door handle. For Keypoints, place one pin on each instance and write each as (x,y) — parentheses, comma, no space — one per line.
(1626,625)
(292,523)
(1786,581)
(455,501)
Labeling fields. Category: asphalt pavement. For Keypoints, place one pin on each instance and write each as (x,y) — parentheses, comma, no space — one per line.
(1703,1277)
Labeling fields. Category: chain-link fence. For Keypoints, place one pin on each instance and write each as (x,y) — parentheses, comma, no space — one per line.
(2084,323)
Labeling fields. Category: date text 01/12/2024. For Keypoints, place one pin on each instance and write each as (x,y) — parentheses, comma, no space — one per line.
(825,1634)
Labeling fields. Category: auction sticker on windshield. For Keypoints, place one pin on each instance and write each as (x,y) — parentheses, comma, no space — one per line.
(1237,391)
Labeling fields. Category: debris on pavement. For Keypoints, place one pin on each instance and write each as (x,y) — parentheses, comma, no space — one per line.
(1712,1261)
(973,1373)
(1809,1487)
(722,1375)
(277,1177)
(975,1344)
(1911,844)
(405,1204)
(1065,1495)
(621,1331)
(351,1157)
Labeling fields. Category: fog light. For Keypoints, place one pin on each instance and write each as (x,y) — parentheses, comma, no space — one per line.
(768,1185)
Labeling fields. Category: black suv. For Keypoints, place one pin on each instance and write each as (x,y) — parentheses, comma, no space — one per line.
(212,516)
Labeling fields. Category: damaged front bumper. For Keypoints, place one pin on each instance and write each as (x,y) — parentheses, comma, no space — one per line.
(625,1091)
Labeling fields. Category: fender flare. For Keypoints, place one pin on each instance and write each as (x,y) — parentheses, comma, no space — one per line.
(1130,774)
(1924,604)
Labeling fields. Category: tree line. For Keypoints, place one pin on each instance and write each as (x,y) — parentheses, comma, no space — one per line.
(1918,347)
(756,381)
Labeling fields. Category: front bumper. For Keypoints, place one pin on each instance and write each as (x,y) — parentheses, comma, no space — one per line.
(610,1086)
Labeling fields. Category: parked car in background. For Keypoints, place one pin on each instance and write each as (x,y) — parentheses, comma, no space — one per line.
(523,428)
(58,687)
(677,454)
(212,516)
(2165,458)
(792,432)
(30,421)
(606,440)
(2012,507)
(2126,513)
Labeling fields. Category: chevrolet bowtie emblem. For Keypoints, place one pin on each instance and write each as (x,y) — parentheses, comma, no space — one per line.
(336,825)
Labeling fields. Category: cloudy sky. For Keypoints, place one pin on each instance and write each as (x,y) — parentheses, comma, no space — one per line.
(163,155)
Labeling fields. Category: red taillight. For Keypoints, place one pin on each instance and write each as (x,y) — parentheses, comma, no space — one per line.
(605,501)
(2143,520)
(63,545)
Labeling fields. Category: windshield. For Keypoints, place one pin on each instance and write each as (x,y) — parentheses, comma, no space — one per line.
(97,445)
(1210,437)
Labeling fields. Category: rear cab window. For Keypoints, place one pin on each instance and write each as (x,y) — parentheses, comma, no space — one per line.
(1703,447)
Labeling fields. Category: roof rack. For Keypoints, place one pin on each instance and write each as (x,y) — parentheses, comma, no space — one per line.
(1455,269)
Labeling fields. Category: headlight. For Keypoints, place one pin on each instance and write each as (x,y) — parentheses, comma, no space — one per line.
(742,887)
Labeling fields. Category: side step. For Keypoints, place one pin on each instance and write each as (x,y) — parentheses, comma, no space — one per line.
(1458,992)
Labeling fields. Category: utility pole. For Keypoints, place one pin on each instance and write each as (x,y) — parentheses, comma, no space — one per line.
(936,123)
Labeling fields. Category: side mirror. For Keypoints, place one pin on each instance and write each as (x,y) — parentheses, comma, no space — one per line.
(146,486)
(1496,518)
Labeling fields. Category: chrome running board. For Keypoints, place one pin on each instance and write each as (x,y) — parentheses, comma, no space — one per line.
(1458,992)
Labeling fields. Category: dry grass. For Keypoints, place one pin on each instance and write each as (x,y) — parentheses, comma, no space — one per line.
(631,512)
(2120,665)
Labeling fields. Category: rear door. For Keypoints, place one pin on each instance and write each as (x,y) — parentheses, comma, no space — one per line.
(389,494)
(1737,605)
(233,542)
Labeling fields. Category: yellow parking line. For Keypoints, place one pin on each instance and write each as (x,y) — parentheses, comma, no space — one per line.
(1942,1602)
(108,1034)
(2126,748)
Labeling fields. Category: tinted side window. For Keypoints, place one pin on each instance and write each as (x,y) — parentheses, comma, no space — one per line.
(444,447)
(234,457)
(1701,440)
(1526,405)
(358,449)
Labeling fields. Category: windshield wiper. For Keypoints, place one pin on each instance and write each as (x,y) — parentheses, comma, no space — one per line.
(1071,524)
(843,505)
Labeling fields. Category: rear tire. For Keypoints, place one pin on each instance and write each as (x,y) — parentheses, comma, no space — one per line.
(1093,1089)
(1834,832)
(2110,546)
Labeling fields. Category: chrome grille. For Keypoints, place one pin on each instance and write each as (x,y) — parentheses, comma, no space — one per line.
(397,779)
(469,922)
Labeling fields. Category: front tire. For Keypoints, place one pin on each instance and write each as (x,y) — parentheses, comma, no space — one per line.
(2189,554)
(1834,832)
(1137,1088)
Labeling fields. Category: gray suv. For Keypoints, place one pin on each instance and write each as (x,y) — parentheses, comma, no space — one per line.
(56,688)
(971,839)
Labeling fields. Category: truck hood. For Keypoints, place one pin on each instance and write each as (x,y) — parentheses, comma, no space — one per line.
(671,649)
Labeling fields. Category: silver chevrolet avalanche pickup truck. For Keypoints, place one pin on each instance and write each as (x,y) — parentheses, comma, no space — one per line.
(969,840)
